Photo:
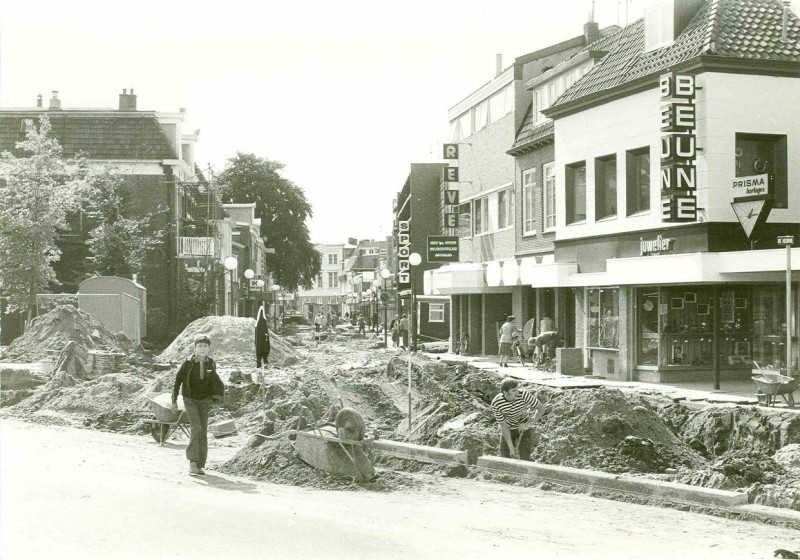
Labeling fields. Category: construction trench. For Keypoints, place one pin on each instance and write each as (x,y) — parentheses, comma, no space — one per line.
(635,434)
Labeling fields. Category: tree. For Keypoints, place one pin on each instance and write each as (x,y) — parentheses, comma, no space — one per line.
(283,209)
(118,244)
(36,193)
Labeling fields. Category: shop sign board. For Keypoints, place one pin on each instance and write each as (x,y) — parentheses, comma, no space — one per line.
(678,148)
(442,248)
(450,151)
(403,252)
(451,174)
(451,197)
(786,240)
(753,185)
(658,245)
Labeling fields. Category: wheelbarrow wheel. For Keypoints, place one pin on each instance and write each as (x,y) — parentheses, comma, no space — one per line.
(159,432)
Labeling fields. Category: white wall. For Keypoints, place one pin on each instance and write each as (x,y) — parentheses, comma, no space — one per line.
(726,104)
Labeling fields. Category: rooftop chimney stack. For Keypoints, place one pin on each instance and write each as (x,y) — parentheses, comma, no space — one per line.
(39,100)
(591,32)
(55,102)
(498,64)
(785,29)
(127,101)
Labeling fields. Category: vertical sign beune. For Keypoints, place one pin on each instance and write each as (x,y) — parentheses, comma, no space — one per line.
(403,252)
(678,148)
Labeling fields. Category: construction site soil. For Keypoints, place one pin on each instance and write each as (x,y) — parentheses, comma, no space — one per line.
(606,429)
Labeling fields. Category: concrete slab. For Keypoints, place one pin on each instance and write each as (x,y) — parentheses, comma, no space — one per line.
(773,513)
(667,491)
(570,383)
(423,453)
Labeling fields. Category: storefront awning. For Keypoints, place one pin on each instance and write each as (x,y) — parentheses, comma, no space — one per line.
(459,278)
(691,268)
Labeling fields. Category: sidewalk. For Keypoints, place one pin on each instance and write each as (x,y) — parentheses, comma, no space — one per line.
(737,392)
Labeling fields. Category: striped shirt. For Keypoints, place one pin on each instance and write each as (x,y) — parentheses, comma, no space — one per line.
(514,413)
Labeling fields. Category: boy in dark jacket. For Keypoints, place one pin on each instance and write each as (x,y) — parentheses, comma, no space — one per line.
(200,385)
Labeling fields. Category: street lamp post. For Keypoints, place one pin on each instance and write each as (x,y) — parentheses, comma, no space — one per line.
(788,240)
(260,284)
(384,275)
(249,275)
(374,308)
(414,259)
(275,290)
(231,264)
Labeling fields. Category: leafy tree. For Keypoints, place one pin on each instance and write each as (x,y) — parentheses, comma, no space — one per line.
(36,193)
(118,244)
(283,209)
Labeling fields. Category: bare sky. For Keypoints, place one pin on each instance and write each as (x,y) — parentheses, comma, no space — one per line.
(347,94)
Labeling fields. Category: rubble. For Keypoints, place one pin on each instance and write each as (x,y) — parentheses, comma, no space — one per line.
(232,342)
(48,334)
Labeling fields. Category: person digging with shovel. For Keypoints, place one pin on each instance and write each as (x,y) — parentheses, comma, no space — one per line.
(511,408)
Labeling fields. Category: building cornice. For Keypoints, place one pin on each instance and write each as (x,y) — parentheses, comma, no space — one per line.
(532,145)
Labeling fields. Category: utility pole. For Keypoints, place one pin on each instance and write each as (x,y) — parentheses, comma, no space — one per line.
(788,240)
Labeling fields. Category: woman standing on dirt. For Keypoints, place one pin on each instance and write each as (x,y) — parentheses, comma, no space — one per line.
(200,385)
(506,338)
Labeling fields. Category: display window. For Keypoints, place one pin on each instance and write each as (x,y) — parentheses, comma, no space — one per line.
(603,318)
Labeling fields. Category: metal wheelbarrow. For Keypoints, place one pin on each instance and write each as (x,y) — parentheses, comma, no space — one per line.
(771,383)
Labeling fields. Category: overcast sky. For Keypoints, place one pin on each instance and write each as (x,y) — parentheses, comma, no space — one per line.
(347,94)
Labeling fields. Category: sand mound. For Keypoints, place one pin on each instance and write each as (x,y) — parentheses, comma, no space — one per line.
(232,342)
(49,333)
(607,430)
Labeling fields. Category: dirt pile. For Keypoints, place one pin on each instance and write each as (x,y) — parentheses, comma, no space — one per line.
(232,342)
(607,430)
(49,333)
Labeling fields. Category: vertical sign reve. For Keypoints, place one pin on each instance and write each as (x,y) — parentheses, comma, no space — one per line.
(450,196)
(678,148)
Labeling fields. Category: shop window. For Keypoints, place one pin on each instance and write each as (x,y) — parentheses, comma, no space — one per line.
(528,189)
(505,208)
(637,180)
(647,326)
(465,220)
(549,196)
(687,337)
(575,177)
(603,318)
(764,154)
(605,187)
(436,313)
(769,326)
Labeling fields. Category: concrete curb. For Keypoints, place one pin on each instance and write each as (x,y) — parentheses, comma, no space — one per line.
(666,491)
(421,453)
(781,515)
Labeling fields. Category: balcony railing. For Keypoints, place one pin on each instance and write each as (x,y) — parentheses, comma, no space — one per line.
(197,246)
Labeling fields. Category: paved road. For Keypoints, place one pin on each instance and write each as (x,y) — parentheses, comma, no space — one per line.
(72,493)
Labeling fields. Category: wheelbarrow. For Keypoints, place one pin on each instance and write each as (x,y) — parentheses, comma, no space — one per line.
(166,421)
(771,383)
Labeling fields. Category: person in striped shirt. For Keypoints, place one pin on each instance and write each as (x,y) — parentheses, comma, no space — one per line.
(511,408)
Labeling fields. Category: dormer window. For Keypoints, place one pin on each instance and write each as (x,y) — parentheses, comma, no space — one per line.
(659,25)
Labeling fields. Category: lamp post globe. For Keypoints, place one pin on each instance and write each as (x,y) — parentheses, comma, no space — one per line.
(231,263)
(414,259)
(276,288)
(249,274)
(385,273)
(260,283)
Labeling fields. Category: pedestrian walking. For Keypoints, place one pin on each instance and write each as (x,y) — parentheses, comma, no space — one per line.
(263,345)
(318,326)
(198,382)
(403,327)
(511,408)
(506,338)
(395,330)
(362,325)
(375,319)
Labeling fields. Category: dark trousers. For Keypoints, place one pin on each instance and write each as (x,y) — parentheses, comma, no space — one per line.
(262,356)
(197,451)
(404,339)
(524,445)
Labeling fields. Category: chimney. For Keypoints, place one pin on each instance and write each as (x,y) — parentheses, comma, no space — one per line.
(591,32)
(785,29)
(55,102)
(498,64)
(127,101)
(39,100)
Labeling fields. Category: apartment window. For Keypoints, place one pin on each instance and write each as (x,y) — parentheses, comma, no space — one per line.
(436,313)
(465,124)
(575,180)
(464,220)
(605,187)
(549,196)
(764,154)
(505,208)
(333,258)
(637,180)
(333,280)
(319,281)
(481,115)
(528,188)
(501,103)
(480,215)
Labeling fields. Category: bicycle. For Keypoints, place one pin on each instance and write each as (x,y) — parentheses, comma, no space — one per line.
(516,348)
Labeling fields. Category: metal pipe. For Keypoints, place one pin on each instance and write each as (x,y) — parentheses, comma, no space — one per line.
(788,309)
